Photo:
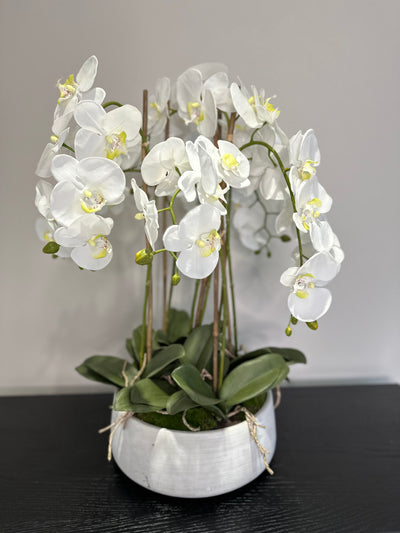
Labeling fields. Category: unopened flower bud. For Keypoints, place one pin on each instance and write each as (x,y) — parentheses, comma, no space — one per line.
(288,331)
(285,238)
(312,325)
(293,320)
(144,257)
(175,279)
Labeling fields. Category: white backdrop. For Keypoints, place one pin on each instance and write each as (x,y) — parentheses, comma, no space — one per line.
(334,67)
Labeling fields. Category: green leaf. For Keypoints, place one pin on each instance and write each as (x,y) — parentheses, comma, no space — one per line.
(122,401)
(163,358)
(129,347)
(87,373)
(179,402)
(252,378)
(178,325)
(290,355)
(51,248)
(147,392)
(110,368)
(188,378)
(161,337)
(198,347)
(137,341)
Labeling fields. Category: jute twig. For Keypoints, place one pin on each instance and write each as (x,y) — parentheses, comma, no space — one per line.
(133,381)
(124,374)
(253,424)
(187,423)
(114,426)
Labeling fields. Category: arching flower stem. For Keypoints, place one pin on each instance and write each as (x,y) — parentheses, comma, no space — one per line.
(111,102)
(284,173)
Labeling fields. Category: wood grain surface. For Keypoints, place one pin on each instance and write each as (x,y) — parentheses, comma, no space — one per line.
(336,469)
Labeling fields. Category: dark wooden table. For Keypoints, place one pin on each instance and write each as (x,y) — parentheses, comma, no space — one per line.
(337,469)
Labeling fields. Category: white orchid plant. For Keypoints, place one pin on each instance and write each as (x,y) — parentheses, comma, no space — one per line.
(206,148)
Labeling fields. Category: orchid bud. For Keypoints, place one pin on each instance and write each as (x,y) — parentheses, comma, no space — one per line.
(144,257)
(312,325)
(175,279)
(288,331)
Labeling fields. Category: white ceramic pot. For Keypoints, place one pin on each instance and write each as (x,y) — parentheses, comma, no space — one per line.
(193,464)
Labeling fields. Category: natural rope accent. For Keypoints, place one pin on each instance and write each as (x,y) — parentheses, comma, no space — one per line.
(115,425)
(124,374)
(205,374)
(187,423)
(140,371)
(253,424)
(278,397)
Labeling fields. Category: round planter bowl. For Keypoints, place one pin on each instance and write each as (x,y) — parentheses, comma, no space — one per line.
(193,464)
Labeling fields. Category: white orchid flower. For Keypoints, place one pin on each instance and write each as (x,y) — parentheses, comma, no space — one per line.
(233,166)
(196,105)
(158,107)
(160,164)
(312,201)
(202,155)
(84,187)
(309,300)
(147,210)
(43,169)
(254,109)
(114,135)
(42,199)
(73,91)
(45,231)
(218,85)
(86,236)
(304,156)
(198,241)
(308,249)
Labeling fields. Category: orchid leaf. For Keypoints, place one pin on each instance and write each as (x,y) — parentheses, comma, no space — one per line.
(189,380)
(163,358)
(178,325)
(198,347)
(252,378)
(290,355)
(110,368)
(179,402)
(147,392)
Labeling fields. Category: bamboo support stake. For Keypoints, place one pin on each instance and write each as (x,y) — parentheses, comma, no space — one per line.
(149,288)
(164,259)
(200,302)
(231,127)
(215,331)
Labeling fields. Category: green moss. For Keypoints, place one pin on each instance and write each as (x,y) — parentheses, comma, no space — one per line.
(199,417)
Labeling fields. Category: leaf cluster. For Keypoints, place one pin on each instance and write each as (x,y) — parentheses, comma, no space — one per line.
(177,378)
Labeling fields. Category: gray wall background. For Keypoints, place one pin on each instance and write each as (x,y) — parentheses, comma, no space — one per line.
(334,67)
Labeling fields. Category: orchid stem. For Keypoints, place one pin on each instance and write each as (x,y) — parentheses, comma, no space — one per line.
(284,173)
(111,102)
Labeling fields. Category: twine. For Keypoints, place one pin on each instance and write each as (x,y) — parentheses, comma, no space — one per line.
(187,423)
(253,424)
(115,425)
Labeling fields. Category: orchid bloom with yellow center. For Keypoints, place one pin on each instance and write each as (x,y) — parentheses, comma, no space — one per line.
(254,108)
(114,135)
(308,299)
(312,202)
(87,237)
(84,187)
(198,241)
(304,156)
